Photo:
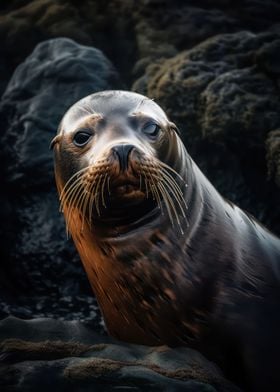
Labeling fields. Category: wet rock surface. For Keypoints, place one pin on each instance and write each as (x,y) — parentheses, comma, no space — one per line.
(69,355)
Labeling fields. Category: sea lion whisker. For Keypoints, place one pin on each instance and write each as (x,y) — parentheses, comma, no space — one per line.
(108,185)
(75,175)
(91,200)
(73,193)
(175,188)
(172,183)
(158,198)
(93,196)
(147,187)
(68,233)
(80,204)
(97,195)
(144,171)
(71,179)
(158,168)
(71,203)
(141,173)
(157,195)
(72,200)
(161,174)
(102,190)
(164,165)
(163,171)
(155,185)
(178,195)
(89,203)
(80,197)
(166,202)
(151,186)
(140,181)
(179,201)
(83,207)
(93,192)
(172,192)
(162,185)
(69,191)
(146,184)
(172,205)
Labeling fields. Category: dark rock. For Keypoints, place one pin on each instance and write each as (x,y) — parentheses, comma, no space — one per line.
(224,96)
(31,22)
(38,262)
(41,329)
(273,155)
(44,353)
(140,30)
(52,78)
(164,27)
(171,28)
(23,24)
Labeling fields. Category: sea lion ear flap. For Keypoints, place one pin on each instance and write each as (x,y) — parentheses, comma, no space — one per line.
(174,127)
(55,140)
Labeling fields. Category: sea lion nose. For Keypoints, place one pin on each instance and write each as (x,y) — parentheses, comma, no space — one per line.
(122,151)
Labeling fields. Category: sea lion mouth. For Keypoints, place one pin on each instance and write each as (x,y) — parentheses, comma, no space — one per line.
(128,216)
(127,192)
(129,204)
(126,187)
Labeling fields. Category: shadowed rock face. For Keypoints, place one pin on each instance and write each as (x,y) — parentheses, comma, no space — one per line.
(53,77)
(69,355)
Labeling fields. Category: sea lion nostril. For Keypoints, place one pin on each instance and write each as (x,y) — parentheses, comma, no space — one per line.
(122,151)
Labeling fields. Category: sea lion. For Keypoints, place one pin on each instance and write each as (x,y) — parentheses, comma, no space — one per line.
(170,261)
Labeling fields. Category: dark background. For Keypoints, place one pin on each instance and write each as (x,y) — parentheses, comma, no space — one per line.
(214,66)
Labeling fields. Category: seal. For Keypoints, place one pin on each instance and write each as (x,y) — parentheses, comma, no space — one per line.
(169,259)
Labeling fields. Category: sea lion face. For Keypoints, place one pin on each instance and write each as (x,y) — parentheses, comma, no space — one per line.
(114,151)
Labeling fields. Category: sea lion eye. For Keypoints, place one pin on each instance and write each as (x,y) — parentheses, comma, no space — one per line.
(151,129)
(81,138)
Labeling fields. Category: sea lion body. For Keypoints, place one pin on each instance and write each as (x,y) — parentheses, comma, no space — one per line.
(170,261)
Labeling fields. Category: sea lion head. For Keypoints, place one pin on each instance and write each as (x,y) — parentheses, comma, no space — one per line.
(119,161)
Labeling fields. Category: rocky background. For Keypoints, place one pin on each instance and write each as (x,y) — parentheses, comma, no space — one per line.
(213,65)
